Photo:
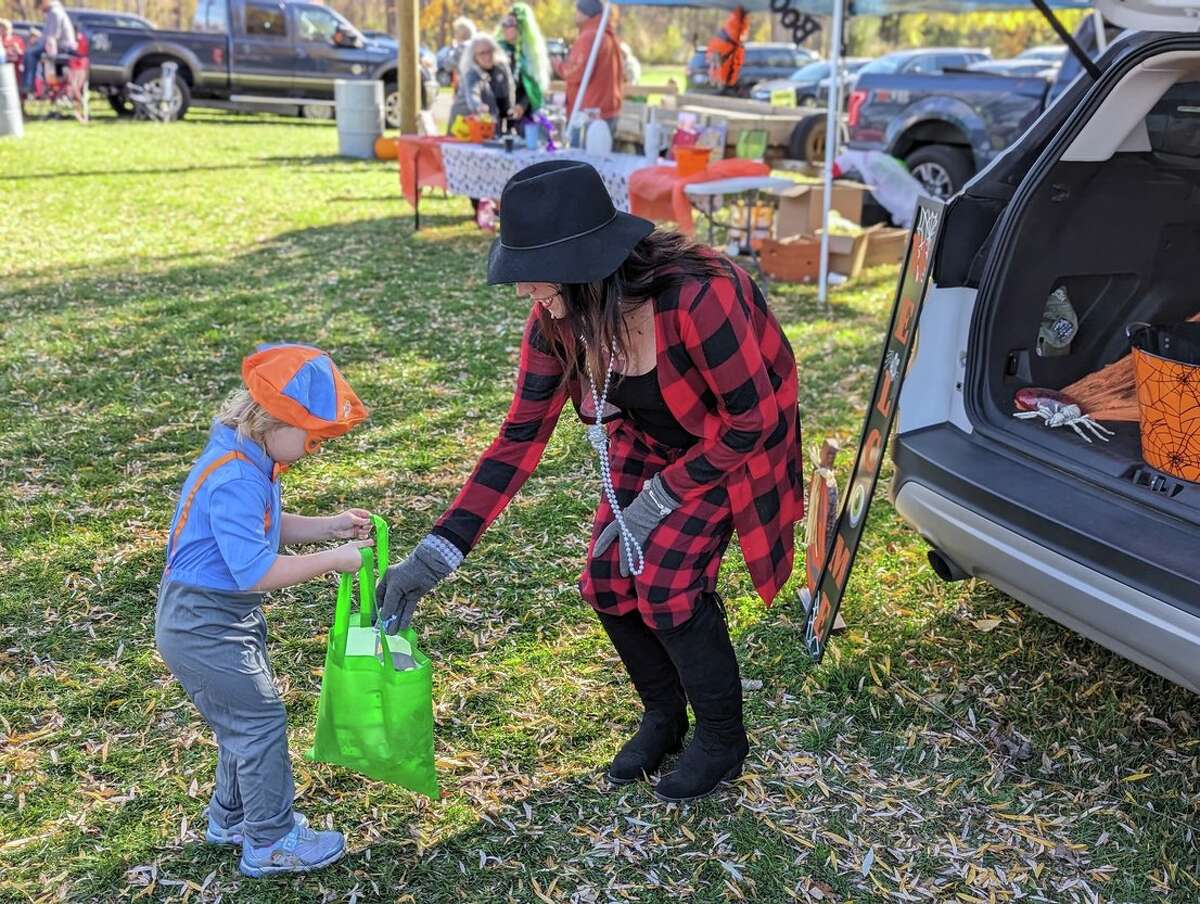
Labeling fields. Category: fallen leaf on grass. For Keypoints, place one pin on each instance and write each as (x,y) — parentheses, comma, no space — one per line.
(986,624)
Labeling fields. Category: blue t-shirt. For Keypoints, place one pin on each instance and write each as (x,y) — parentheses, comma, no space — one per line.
(231,536)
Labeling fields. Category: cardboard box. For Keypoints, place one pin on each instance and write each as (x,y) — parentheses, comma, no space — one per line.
(801,209)
(847,253)
(886,246)
(797,259)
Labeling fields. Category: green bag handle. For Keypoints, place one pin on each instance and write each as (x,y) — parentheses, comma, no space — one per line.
(367,578)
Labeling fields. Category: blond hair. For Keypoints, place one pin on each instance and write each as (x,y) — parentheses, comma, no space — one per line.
(247,417)
(6,25)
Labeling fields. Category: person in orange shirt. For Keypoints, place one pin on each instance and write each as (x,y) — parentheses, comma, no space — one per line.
(604,88)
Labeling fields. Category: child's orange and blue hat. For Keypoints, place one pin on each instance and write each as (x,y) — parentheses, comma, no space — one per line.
(301,386)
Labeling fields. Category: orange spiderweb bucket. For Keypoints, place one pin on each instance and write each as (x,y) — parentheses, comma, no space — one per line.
(1166,367)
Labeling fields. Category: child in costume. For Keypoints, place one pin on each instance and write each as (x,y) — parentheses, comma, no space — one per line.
(222,557)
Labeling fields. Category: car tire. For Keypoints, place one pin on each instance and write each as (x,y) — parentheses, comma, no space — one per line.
(182,91)
(391,104)
(941,169)
(121,105)
(807,142)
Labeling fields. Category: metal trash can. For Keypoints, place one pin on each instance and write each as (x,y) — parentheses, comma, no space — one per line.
(359,117)
(11,121)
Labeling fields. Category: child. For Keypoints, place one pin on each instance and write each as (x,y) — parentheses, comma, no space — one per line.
(222,556)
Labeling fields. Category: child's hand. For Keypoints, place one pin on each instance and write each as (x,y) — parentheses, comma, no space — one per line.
(353,523)
(347,559)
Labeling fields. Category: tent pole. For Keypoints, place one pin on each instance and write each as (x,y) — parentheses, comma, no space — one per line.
(587,70)
(1101,32)
(832,127)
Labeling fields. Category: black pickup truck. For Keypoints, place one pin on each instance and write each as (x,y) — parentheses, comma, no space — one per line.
(245,55)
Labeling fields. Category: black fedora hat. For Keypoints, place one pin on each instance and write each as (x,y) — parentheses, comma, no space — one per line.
(558,225)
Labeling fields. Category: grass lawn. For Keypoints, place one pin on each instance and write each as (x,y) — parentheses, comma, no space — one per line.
(953,746)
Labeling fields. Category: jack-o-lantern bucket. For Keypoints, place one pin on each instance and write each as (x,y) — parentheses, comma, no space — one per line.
(1166,367)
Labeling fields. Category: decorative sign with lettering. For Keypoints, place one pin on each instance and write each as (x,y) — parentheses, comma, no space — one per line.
(877,426)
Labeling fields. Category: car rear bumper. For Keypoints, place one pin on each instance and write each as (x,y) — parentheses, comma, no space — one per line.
(1122,577)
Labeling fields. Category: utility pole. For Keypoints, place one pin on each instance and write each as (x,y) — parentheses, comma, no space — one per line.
(408,82)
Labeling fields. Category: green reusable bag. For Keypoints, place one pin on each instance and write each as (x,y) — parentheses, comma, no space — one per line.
(372,717)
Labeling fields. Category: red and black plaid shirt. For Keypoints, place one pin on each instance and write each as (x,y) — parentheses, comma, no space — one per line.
(728,376)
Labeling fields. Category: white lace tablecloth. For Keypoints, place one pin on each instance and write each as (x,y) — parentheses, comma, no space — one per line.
(481,172)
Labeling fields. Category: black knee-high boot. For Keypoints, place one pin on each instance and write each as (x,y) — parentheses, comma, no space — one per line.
(665,722)
(704,657)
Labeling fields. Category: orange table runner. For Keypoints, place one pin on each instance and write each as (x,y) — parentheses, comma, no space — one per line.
(420,156)
(656,192)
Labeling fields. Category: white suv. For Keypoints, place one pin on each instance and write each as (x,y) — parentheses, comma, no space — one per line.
(1101,197)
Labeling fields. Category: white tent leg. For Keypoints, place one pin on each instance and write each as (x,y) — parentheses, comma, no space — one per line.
(833,118)
(1101,34)
(587,70)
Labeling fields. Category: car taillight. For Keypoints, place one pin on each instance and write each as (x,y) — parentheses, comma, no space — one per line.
(854,106)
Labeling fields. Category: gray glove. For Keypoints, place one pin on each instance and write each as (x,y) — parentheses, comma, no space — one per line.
(645,513)
(403,585)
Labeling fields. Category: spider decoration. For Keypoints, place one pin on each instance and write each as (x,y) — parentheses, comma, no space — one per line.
(1057,409)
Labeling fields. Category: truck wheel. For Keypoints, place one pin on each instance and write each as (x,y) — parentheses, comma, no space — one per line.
(808,139)
(391,105)
(121,104)
(941,169)
(151,80)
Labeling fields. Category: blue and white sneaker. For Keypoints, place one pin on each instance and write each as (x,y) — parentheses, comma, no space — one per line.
(299,851)
(217,834)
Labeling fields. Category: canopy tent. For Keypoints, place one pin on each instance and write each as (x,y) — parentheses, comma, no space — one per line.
(836,11)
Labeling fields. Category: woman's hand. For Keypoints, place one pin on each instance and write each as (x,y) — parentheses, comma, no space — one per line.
(353,523)
(347,559)
(645,513)
(516,112)
(403,585)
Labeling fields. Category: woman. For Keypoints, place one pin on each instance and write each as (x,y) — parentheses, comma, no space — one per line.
(522,41)
(485,86)
(695,385)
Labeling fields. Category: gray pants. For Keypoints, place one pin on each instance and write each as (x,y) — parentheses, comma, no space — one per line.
(215,643)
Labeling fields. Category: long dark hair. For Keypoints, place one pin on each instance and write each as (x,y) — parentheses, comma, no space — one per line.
(658,264)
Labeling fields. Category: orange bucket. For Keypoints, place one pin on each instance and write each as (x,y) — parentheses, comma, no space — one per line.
(689,161)
(1166,368)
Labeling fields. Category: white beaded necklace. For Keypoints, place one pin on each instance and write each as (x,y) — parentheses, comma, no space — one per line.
(598,436)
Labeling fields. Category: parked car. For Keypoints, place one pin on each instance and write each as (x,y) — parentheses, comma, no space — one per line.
(248,55)
(807,82)
(87,20)
(101,18)
(850,69)
(946,125)
(762,62)
(1095,199)
(1032,67)
(1051,53)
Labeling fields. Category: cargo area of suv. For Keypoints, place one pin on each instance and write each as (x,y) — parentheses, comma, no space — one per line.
(1119,240)
(1096,205)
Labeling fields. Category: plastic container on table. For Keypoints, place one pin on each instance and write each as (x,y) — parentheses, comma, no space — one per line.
(690,161)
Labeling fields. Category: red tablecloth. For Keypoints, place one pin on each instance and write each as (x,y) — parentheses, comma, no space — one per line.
(420,156)
(656,192)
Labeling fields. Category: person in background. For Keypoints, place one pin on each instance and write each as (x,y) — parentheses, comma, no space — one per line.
(12,48)
(485,87)
(463,30)
(633,66)
(522,40)
(604,88)
(58,36)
